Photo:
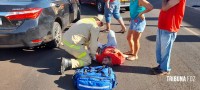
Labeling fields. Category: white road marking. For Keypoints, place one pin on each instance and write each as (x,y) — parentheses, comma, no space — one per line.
(189,30)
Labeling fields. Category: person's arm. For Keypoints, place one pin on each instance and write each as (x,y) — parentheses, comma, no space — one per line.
(93,40)
(107,4)
(167,4)
(147,5)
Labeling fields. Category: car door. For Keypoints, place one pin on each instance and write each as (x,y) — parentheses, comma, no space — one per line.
(61,9)
(74,8)
(57,6)
(86,1)
(93,1)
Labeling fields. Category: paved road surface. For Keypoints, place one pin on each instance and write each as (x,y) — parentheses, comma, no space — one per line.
(37,69)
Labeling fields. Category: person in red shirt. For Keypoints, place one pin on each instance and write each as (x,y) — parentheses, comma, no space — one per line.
(170,19)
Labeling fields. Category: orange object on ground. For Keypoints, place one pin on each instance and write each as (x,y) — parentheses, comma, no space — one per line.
(113,53)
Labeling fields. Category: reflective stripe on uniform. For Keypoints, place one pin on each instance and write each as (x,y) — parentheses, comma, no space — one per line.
(81,63)
(87,20)
(82,55)
(71,45)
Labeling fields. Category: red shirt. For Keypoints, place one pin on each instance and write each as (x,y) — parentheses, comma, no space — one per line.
(110,0)
(115,55)
(171,19)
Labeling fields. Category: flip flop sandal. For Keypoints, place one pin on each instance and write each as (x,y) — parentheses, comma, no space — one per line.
(128,53)
(126,56)
(104,30)
(121,31)
(132,58)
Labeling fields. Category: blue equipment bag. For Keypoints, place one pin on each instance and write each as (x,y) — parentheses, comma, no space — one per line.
(95,78)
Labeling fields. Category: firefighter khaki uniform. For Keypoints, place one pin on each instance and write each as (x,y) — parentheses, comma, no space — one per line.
(81,41)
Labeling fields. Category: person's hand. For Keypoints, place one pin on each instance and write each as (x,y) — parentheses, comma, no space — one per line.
(98,50)
(75,63)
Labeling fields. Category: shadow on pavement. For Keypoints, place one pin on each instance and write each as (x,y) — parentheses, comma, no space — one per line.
(40,58)
(119,24)
(180,38)
(151,18)
(65,82)
(133,69)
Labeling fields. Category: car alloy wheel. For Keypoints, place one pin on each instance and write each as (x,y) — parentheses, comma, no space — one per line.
(58,36)
(99,6)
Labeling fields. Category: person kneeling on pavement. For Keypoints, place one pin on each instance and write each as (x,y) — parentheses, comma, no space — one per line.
(81,42)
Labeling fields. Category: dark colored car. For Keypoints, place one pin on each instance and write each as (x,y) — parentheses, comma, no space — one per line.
(100,4)
(29,23)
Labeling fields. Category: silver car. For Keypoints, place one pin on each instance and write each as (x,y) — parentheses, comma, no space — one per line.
(29,23)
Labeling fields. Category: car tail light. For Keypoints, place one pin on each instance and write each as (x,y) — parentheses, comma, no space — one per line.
(36,41)
(30,13)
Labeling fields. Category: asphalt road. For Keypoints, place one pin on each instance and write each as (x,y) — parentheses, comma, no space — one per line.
(37,69)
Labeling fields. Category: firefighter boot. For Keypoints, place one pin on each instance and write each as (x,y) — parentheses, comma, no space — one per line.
(65,65)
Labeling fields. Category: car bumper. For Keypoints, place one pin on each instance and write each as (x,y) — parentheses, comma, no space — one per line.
(22,39)
(23,35)
(124,5)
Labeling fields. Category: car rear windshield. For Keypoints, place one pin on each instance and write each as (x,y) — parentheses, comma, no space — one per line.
(17,0)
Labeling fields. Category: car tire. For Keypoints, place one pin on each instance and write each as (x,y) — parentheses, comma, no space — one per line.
(80,2)
(57,36)
(127,8)
(100,6)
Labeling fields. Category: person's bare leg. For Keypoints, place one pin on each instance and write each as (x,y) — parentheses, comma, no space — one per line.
(130,42)
(121,22)
(107,26)
(136,40)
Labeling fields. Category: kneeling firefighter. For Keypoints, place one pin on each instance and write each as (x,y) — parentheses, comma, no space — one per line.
(81,41)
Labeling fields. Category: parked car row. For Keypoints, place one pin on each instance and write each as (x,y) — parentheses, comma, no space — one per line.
(29,23)
(100,4)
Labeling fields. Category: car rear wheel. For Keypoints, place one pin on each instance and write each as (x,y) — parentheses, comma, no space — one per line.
(100,6)
(57,36)
(80,1)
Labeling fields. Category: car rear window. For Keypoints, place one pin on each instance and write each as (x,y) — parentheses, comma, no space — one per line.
(17,0)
